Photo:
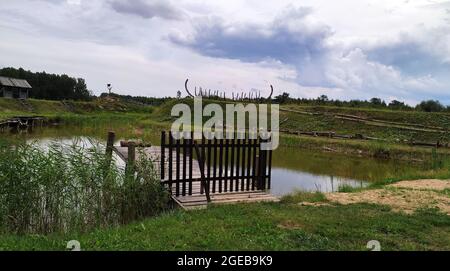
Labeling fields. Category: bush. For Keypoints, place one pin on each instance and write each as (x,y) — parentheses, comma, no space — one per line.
(71,188)
(381,151)
(431,106)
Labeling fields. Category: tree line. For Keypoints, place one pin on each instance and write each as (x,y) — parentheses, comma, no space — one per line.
(51,86)
(143,100)
(426,106)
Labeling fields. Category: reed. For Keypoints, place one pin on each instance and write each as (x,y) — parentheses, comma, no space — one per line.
(65,188)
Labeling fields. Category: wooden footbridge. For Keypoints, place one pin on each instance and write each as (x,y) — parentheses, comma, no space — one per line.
(21,123)
(215,171)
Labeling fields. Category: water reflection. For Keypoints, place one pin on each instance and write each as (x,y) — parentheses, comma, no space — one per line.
(286,181)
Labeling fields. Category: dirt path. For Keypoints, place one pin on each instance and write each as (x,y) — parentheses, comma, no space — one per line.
(406,196)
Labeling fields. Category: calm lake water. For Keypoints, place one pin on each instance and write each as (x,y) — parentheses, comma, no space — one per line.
(293,168)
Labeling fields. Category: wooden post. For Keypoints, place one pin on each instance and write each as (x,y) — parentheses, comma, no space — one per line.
(110,144)
(131,157)
(169,171)
(163,154)
(109,150)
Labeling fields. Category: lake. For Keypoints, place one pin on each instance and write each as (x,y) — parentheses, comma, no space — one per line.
(293,168)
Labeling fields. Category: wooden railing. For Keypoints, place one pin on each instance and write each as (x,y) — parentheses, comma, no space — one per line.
(219,165)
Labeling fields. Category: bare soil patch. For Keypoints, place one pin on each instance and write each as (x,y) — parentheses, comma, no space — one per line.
(428,184)
(406,196)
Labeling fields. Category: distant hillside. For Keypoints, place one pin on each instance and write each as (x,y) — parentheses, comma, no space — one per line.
(14,107)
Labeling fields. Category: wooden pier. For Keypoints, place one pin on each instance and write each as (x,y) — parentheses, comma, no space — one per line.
(18,123)
(219,183)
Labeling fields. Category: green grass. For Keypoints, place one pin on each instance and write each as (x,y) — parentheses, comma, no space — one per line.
(51,109)
(348,189)
(412,117)
(300,196)
(261,226)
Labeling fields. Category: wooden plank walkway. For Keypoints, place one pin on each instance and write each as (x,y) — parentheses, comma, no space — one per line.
(197,200)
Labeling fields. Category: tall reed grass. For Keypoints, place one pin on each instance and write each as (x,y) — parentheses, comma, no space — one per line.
(62,188)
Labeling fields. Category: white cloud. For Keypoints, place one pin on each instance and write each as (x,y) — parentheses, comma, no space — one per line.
(350,49)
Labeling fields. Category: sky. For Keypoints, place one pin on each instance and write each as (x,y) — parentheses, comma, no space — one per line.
(347,49)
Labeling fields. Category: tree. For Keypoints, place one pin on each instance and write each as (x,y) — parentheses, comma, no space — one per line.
(322,99)
(283,98)
(376,101)
(50,86)
(431,106)
(394,104)
(80,91)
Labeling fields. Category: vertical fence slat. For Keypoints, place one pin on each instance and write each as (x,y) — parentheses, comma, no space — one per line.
(220,164)
(238,158)
(226,180)
(191,163)
(208,164)
(232,164)
(244,149)
(215,165)
(170,148)
(262,172)
(249,163)
(177,165)
(269,174)
(184,167)
(254,173)
(201,159)
(163,155)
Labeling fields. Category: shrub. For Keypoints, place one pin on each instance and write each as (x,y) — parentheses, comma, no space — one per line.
(431,106)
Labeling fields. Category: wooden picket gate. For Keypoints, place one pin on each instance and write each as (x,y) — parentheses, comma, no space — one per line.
(214,166)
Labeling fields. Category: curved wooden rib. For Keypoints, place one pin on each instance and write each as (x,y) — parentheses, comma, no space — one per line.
(271,93)
(186,88)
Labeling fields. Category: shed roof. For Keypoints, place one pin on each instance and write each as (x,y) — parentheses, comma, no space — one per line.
(12,82)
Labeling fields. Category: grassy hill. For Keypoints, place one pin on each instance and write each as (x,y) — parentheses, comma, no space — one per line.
(392,126)
(14,107)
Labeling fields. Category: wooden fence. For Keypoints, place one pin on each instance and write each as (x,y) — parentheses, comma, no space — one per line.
(224,165)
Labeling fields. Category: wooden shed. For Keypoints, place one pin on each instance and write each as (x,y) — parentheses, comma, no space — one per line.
(14,88)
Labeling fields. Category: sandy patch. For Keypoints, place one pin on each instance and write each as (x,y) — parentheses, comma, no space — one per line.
(438,185)
(405,196)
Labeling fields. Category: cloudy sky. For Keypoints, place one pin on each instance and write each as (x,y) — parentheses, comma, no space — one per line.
(347,49)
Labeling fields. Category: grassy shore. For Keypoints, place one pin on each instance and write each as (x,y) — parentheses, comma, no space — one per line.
(261,226)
